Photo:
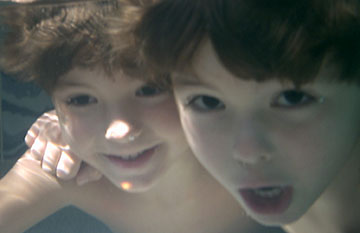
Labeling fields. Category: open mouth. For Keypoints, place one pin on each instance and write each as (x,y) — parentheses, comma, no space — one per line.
(132,157)
(133,160)
(268,200)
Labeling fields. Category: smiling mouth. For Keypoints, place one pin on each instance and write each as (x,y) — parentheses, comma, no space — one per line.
(132,160)
(132,157)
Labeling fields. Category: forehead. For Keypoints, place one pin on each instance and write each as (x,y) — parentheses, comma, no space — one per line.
(83,75)
(207,71)
(206,68)
(95,77)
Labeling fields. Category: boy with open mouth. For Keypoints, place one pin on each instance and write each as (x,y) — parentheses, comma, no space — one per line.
(268,95)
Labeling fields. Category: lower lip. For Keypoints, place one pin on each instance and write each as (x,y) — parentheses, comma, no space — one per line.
(140,161)
(268,205)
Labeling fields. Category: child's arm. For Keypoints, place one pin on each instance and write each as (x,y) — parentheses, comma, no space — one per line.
(44,139)
(28,194)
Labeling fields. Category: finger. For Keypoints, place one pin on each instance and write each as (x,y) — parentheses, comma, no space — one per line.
(42,129)
(31,135)
(28,155)
(51,115)
(51,158)
(52,132)
(87,174)
(38,125)
(68,166)
(38,148)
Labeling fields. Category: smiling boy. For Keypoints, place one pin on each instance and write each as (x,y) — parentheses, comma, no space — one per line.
(115,117)
(268,94)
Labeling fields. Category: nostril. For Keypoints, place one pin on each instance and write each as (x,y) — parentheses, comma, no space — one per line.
(117,130)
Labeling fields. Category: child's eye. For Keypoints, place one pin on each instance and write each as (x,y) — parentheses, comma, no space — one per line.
(148,91)
(81,100)
(205,103)
(293,99)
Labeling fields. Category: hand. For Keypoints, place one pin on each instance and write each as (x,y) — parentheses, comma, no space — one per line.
(46,145)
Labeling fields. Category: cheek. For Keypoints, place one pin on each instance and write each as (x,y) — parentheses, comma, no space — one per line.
(78,130)
(206,138)
(321,147)
(302,150)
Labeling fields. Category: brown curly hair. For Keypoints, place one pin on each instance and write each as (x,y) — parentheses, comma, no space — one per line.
(42,43)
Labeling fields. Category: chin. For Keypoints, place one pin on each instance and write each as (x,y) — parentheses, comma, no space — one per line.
(281,220)
(137,189)
(134,185)
(274,221)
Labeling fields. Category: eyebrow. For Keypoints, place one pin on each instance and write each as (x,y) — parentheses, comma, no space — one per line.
(193,84)
(66,84)
(186,78)
(190,80)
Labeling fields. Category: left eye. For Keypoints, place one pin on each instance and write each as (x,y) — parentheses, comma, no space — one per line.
(148,91)
(205,103)
(81,100)
(293,98)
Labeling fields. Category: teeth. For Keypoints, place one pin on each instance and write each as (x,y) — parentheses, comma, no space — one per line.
(268,192)
(131,157)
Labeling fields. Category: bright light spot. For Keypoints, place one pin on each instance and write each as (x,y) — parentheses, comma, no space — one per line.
(126,185)
(65,147)
(117,130)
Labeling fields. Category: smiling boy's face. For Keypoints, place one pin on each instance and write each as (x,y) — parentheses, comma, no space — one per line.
(127,129)
(274,147)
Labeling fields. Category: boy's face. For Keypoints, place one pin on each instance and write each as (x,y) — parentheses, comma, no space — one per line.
(126,129)
(275,148)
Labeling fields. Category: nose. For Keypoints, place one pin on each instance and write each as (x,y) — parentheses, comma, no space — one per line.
(122,131)
(251,147)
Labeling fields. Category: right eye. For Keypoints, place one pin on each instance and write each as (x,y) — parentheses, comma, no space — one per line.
(205,103)
(81,100)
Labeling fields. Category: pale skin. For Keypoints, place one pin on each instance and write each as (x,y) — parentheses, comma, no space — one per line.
(176,195)
(254,135)
(45,143)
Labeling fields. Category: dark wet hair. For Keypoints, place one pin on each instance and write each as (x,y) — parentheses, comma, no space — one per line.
(256,39)
(42,43)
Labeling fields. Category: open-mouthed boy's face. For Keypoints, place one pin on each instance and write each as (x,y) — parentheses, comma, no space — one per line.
(274,147)
(128,130)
